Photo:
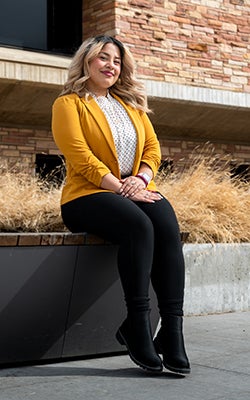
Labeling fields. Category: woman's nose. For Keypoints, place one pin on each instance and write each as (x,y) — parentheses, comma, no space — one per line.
(110,64)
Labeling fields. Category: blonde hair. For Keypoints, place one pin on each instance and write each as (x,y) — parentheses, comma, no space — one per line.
(127,87)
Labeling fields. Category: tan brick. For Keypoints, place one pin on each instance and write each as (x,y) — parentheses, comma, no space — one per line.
(8,239)
(214,23)
(29,239)
(228,71)
(246,56)
(246,88)
(53,239)
(239,79)
(74,239)
(93,239)
(185,32)
(197,46)
(244,29)
(159,35)
(229,27)
(11,153)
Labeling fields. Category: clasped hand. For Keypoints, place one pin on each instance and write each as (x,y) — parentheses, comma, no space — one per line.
(135,189)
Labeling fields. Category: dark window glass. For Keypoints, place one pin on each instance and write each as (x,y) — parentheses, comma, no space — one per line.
(167,166)
(46,25)
(50,168)
(23,23)
(64,25)
(241,171)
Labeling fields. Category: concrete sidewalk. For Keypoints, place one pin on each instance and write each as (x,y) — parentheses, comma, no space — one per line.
(218,347)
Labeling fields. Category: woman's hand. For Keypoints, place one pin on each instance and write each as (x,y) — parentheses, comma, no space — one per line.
(131,186)
(135,189)
(147,196)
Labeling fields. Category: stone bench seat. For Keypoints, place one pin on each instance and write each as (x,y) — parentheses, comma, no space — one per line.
(60,297)
(60,293)
(55,239)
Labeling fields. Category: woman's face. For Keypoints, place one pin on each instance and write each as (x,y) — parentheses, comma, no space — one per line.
(104,69)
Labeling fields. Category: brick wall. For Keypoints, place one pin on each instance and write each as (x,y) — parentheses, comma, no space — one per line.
(20,146)
(180,150)
(98,18)
(202,43)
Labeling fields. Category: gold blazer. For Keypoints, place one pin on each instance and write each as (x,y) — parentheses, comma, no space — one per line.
(83,135)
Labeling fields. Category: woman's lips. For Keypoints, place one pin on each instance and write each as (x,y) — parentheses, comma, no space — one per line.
(108,73)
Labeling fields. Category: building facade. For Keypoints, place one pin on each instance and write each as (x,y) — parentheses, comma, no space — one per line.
(193,57)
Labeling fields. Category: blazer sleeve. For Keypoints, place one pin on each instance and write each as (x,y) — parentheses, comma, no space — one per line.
(69,136)
(151,152)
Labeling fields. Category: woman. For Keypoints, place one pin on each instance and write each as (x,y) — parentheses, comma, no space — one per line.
(112,154)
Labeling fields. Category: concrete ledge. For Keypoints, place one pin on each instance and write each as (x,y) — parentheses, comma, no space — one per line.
(203,95)
(34,66)
(31,66)
(217,278)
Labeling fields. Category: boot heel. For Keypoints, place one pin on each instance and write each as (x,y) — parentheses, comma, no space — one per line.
(157,345)
(120,338)
(170,343)
(138,340)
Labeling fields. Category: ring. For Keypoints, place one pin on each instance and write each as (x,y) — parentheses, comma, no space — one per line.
(132,182)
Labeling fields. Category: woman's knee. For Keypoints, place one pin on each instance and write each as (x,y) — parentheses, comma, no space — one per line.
(139,224)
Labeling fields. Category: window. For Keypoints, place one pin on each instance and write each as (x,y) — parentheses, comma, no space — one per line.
(45,25)
(64,25)
(167,166)
(241,171)
(50,168)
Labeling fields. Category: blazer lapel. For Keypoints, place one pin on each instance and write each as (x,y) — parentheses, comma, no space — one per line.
(101,120)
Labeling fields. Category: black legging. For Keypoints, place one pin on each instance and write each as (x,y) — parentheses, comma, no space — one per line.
(149,243)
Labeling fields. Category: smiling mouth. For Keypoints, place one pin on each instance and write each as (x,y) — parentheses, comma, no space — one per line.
(108,73)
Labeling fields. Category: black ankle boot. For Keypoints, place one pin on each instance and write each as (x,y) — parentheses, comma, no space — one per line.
(135,334)
(170,343)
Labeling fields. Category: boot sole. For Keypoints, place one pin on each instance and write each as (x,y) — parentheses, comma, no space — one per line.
(123,342)
(167,366)
(183,371)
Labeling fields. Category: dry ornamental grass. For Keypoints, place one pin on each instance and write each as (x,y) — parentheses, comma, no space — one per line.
(27,205)
(209,204)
